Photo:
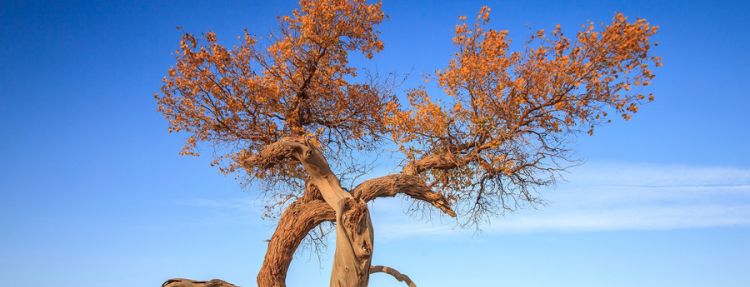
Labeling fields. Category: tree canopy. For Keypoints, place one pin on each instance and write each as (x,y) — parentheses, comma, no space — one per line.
(499,130)
(280,109)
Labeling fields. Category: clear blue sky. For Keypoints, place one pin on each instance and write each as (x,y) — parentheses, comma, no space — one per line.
(93,192)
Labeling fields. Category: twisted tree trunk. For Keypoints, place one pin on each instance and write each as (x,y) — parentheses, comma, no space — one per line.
(354,230)
(354,238)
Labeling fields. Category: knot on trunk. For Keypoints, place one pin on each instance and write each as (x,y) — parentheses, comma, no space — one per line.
(355,221)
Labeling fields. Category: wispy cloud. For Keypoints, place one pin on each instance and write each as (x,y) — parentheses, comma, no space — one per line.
(598,197)
(233,209)
(243,203)
(592,197)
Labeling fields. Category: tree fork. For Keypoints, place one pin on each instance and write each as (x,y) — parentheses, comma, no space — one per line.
(354,240)
(304,215)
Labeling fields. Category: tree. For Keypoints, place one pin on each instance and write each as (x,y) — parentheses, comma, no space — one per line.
(281,114)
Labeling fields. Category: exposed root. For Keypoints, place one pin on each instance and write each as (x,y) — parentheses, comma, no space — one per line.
(393,272)
(181,282)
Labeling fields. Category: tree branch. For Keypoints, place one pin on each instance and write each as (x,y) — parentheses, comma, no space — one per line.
(295,223)
(287,148)
(435,161)
(410,185)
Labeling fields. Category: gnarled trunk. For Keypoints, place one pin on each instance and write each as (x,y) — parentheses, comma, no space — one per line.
(354,242)
(354,230)
(354,238)
(307,212)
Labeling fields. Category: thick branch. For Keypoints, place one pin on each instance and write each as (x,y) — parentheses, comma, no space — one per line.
(410,185)
(288,148)
(295,223)
(299,150)
(393,272)
(435,161)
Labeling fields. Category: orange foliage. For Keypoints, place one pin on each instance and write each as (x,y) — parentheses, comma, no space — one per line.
(504,129)
(500,131)
(249,97)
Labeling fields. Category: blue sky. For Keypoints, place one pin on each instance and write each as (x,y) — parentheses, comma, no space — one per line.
(93,192)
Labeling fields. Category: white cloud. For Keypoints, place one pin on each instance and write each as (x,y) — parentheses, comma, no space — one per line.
(593,197)
(243,203)
(596,197)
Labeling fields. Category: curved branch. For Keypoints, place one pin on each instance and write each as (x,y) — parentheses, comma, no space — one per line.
(393,272)
(295,223)
(287,148)
(410,185)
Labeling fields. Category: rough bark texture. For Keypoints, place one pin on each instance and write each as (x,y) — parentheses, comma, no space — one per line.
(354,231)
(435,161)
(354,238)
(302,216)
(410,185)
(295,223)
(354,242)
(393,272)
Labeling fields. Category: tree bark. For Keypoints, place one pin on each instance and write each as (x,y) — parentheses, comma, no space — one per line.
(410,185)
(306,213)
(354,238)
(354,231)
(295,223)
